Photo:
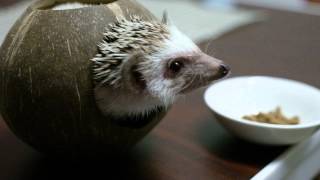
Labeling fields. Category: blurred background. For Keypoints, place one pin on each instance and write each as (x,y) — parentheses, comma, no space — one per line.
(199,19)
(255,37)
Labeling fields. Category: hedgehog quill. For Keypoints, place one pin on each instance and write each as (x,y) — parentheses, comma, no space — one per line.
(145,66)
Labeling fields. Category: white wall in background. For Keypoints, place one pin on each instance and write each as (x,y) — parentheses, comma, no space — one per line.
(301,6)
(197,22)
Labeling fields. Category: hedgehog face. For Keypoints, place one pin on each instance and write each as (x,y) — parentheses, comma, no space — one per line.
(188,72)
(179,67)
(148,64)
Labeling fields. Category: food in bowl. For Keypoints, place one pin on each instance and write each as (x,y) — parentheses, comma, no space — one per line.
(273,117)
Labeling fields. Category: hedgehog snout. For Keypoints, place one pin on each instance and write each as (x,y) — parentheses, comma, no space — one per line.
(223,70)
(203,70)
(211,68)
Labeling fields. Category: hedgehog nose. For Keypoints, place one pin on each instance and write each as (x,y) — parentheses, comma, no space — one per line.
(224,70)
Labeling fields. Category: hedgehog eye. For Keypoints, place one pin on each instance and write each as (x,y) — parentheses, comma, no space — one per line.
(175,66)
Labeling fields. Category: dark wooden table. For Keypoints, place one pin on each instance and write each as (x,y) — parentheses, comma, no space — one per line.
(189,143)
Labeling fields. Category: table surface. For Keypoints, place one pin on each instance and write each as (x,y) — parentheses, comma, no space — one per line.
(189,143)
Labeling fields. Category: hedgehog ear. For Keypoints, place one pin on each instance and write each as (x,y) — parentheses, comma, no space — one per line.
(166,19)
(132,78)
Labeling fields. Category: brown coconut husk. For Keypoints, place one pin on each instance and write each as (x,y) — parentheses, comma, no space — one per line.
(46,87)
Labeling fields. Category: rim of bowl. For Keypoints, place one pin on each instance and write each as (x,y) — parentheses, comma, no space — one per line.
(266,125)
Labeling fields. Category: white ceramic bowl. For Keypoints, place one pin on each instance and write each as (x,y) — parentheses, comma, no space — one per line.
(233,98)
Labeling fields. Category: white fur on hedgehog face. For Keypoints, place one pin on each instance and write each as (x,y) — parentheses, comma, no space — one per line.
(161,42)
(157,85)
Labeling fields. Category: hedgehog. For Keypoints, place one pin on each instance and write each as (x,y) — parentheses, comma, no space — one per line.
(142,67)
